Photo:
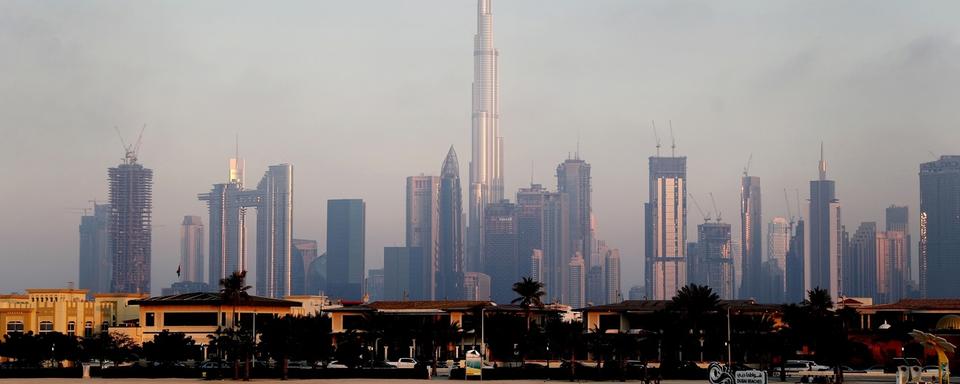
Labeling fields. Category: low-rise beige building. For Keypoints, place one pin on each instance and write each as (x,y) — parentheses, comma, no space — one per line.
(65,310)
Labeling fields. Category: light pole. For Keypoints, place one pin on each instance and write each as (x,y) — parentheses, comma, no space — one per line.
(701,345)
(659,345)
(729,347)
(483,339)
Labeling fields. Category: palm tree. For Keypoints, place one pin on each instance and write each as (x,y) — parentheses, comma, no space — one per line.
(695,305)
(530,292)
(818,301)
(234,288)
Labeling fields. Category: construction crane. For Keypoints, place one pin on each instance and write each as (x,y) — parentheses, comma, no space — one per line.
(656,136)
(715,209)
(799,212)
(706,216)
(131,151)
(746,169)
(673,142)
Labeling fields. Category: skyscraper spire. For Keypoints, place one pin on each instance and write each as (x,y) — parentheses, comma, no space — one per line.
(486,162)
(823,164)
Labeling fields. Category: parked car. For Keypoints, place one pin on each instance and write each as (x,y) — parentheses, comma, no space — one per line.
(804,365)
(892,364)
(378,365)
(336,365)
(849,369)
(298,364)
(210,364)
(404,362)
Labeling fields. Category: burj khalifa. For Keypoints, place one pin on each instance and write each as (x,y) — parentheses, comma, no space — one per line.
(486,162)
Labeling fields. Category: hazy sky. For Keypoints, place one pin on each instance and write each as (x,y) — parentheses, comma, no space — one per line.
(357,95)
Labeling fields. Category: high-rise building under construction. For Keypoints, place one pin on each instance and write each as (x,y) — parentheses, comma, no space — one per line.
(131,204)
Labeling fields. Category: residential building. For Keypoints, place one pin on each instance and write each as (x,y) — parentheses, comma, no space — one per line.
(304,253)
(795,274)
(778,244)
(275,232)
(376,284)
(611,271)
(423,229)
(450,261)
(666,227)
(191,249)
(65,310)
(346,238)
(898,219)
(403,273)
(714,260)
(476,286)
(751,240)
(860,264)
(95,256)
(131,206)
(825,234)
(500,259)
(576,281)
(891,267)
(536,265)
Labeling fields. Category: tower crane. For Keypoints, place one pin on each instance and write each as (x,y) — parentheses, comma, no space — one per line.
(715,206)
(706,216)
(131,151)
(746,169)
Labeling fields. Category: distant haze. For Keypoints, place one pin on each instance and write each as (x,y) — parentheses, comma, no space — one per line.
(357,95)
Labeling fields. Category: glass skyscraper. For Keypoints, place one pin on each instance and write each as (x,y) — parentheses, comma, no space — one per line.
(346,237)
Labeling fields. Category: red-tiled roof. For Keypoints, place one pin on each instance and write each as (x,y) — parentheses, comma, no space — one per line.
(210,298)
(426,304)
(919,305)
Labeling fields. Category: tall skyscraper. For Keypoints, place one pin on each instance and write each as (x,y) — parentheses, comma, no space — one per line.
(530,224)
(227,205)
(595,293)
(891,269)
(573,184)
(476,286)
(131,205)
(403,273)
(304,253)
(576,281)
(346,239)
(940,228)
(825,235)
(423,228)
(795,274)
(275,231)
(860,264)
(666,227)
(451,258)
(611,271)
(191,249)
(556,253)
(714,260)
(500,250)
(95,256)
(536,265)
(898,219)
(778,243)
(486,163)
(751,239)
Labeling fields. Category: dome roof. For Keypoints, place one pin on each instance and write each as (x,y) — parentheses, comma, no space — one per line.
(949,322)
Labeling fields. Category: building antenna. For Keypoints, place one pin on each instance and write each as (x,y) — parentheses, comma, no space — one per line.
(656,136)
(673,142)
(578,146)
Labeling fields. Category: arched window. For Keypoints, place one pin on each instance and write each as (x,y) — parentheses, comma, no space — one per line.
(72,328)
(46,326)
(14,327)
(88,329)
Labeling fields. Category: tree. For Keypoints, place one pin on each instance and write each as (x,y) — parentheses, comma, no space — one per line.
(530,293)
(234,289)
(106,346)
(168,347)
(692,314)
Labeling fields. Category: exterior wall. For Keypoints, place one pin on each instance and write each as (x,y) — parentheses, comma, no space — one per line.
(61,307)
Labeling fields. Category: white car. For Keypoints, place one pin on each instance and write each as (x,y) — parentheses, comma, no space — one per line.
(404,362)
(336,364)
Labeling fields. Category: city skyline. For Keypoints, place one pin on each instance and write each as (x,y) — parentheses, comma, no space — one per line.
(615,145)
